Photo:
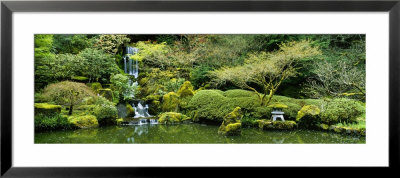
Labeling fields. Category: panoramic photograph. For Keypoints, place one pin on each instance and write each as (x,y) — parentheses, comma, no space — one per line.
(199,89)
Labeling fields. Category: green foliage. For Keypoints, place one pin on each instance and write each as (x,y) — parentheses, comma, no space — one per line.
(110,43)
(199,75)
(266,70)
(67,93)
(153,54)
(105,111)
(51,122)
(342,110)
(121,86)
(43,60)
(213,105)
(185,90)
(174,84)
(70,43)
(238,93)
(83,122)
(100,65)
(170,102)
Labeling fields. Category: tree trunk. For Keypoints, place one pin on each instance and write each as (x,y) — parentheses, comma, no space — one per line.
(70,110)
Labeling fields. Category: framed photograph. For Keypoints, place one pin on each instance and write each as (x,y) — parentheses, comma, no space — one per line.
(113,88)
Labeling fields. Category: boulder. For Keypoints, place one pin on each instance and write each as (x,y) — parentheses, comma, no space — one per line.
(232,123)
(130,111)
(276,125)
(47,109)
(308,116)
(172,118)
(85,121)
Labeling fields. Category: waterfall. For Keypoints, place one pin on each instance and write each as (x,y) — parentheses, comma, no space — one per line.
(129,67)
(141,111)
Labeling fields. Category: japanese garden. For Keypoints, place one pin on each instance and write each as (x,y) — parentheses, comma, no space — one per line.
(200,88)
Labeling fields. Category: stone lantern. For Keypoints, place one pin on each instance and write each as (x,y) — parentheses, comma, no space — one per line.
(277,111)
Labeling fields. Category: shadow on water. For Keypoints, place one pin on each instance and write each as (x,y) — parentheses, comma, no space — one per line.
(188,133)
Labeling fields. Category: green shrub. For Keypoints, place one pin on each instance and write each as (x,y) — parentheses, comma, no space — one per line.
(238,93)
(105,111)
(51,122)
(185,90)
(342,110)
(207,104)
(170,102)
(83,122)
(212,105)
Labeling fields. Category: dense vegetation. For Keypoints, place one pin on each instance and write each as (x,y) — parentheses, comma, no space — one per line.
(319,79)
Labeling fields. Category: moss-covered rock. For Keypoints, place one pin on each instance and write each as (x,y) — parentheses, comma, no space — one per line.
(172,118)
(308,116)
(119,121)
(106,93)
(186,89)
(47,109)
(323,126)
(130,111)
(232,123)
(85,121)
(276,125)
(170,102)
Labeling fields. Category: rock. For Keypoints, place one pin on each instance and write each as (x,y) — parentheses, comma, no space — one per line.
(324,126)
(86,121)
(308,116)
(186,89)
(232,123)
(130,111)
(170,102)
(106,93)
(172,118)
(47,109)
(276,125)
(286,125)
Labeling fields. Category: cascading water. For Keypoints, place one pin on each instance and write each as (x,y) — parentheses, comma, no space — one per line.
(129,67)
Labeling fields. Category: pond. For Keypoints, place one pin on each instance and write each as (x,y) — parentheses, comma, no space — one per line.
(188,133)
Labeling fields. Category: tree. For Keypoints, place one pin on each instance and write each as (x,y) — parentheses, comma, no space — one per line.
(67,93)
(43,60)
(266,71)
(344,79)
(99,64)
(110,43)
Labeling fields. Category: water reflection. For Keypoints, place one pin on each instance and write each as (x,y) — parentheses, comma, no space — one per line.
(188,133)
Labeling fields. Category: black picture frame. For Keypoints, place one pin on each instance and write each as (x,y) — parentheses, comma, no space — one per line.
(8,7)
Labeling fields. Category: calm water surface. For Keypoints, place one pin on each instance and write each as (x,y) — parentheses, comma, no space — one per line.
(188,133)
